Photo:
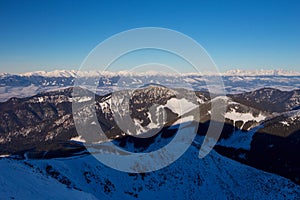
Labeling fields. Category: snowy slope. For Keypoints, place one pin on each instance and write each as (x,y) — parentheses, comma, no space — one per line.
(19,181)
(84,177)
(213,177)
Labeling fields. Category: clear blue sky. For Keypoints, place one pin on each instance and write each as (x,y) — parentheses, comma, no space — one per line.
(54,34)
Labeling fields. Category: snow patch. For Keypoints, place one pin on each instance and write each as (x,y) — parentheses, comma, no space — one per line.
(285,123)
(180,106)
(236,116)
(78,139)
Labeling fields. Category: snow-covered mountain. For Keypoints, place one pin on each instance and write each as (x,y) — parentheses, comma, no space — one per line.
(44,123)
(283,124)
(47,117)
(55,73)
(261,72)
(31,83)
(236,72)
(39,141)
(82,176)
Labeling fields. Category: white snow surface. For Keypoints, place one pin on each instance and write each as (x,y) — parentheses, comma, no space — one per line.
(55,73)
(237,116)
(180,106)
(20,182)
(240,139)
(78,139)
(213,177)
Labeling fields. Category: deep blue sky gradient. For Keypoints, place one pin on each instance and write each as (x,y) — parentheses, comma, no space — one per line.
(53,34)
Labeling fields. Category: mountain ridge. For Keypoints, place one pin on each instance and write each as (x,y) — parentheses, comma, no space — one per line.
(234,72)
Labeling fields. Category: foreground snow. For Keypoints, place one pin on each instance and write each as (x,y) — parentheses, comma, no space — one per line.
(83,177)
(19,181)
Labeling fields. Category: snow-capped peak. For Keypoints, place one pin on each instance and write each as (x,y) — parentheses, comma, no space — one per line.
(55,73)
(95,73)
(261,72)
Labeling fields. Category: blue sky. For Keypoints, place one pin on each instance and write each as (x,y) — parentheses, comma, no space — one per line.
(53,34)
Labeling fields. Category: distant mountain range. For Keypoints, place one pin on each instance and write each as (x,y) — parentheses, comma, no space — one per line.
(236,81)
(255,156)
(74,73)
